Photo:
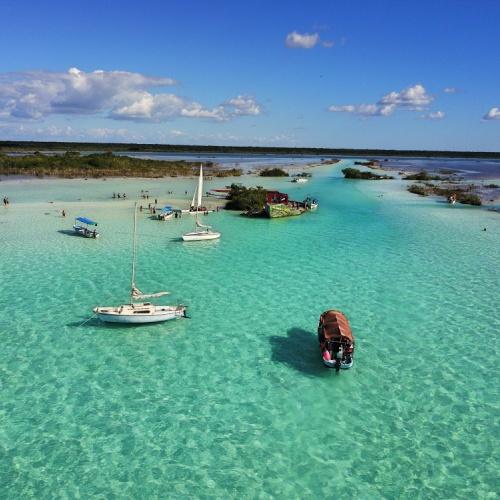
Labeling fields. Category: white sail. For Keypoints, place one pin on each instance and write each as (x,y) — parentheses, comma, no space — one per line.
(200,185)
(194,197)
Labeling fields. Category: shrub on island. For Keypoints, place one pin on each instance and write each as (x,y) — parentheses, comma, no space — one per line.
(273,172)
(423,176)
(248,199)
(354,173)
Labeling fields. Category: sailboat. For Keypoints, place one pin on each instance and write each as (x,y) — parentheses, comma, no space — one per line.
(196,205)
(202,232)
(139,312)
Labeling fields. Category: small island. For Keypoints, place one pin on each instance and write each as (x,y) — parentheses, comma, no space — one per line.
(273,172)
(463,194)
(354,173)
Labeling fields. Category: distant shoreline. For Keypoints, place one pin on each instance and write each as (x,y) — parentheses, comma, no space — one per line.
(32,146)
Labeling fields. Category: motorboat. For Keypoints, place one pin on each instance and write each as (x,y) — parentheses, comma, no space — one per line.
(166,213)
(202,232)
(139,312)
(311,203)
(336,341)
(83,227)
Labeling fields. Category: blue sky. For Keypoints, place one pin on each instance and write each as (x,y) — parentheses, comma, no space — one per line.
(377,74)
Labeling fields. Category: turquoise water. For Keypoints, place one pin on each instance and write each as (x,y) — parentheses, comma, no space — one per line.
(235,401)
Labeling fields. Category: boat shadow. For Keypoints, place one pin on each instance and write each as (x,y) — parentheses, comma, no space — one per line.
(95,322)
(68,232)
(298,350)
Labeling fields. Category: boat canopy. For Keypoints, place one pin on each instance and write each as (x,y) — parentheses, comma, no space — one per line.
(335,325)
(167,208)
(86,221)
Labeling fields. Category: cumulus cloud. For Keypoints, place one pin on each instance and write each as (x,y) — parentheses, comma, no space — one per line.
(296,40)
(450,90)
(243,105)
(120,95)
(492,114)
(412,98)
(435,115)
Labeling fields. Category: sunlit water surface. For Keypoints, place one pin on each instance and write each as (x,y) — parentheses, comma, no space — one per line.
(235,400)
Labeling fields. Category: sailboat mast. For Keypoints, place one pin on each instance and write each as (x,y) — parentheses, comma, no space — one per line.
(134,246)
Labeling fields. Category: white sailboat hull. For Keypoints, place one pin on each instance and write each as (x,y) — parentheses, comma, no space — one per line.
(201,236)
(139,313)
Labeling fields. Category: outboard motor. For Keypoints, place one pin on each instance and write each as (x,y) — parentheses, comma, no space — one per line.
(338,358)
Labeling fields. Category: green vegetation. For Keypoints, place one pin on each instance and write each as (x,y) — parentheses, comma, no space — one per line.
(248,199)
(178,148)
(464,194)
(423,176)
(273,172)
(418,189)
(73,165)
(354,173)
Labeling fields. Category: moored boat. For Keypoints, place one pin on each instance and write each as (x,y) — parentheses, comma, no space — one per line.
(167,212)
(83,227)
(139,312)
(201,231)
(336,341)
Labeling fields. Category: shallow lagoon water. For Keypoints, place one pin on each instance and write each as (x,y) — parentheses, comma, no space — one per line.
(235,400)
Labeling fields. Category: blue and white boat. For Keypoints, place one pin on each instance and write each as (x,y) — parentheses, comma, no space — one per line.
(85,227)
(166,213)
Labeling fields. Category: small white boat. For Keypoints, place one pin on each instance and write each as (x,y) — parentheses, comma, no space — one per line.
(135,312)
(202,232)
(83,227)
(300,180)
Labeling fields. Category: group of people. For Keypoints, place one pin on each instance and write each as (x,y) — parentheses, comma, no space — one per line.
(118,195)
(5,201)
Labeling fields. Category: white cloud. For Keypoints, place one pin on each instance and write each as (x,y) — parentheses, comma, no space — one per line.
(244,105)
(450,90)
(412,98)
(364,109)
(492,114)
(296,40)
(120,95)
(435,115)
(328,44)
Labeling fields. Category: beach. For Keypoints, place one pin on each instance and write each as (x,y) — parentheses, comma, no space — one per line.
(235,399)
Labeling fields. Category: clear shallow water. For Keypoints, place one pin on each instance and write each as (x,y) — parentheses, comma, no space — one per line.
(235,401)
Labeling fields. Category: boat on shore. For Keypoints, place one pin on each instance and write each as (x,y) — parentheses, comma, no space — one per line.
(279,205)
(202,232)
(336,341)
(83,227)
(139,312)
